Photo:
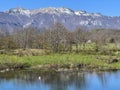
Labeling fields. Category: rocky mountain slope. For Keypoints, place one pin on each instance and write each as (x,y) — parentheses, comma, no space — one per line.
(15,18)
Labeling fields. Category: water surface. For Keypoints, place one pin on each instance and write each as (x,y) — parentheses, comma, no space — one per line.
(40,80)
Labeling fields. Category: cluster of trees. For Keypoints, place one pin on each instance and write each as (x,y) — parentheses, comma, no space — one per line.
(57,38)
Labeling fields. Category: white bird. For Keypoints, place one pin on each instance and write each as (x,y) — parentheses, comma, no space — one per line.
(39,78)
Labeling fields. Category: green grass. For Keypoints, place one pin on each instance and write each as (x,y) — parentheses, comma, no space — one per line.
(34,57)
(60,59)
(48,59)
(91,46)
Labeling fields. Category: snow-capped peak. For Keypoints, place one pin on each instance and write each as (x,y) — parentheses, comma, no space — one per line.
(80,12)
(84,13)
(52,10)
(62,10)
(19,10)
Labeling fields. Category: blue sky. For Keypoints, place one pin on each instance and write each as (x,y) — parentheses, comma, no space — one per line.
(106,7)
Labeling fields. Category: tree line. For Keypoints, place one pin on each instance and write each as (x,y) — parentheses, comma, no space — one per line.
(58,39)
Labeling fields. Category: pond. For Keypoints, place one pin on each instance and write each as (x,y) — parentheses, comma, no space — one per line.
(50,80)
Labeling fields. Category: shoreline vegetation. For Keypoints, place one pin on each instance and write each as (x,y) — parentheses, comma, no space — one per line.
(57,48)
(40,60)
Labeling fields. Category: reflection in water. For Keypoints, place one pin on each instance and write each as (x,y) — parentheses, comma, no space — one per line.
(42,80)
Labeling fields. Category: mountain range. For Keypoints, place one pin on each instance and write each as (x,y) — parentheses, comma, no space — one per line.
(18,18)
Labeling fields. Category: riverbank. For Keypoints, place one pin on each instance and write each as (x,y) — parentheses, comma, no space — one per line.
(60,62)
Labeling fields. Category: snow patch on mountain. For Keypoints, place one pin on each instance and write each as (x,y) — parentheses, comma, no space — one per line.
(50,10)
(84,13)
(28,24)
(20,11)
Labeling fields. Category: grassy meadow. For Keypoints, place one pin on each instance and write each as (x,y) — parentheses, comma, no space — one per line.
(86,57)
